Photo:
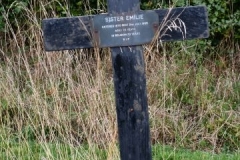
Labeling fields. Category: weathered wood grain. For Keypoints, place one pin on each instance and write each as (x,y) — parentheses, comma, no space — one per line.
(67,33)
(75,32)
(183,23)
(130,93)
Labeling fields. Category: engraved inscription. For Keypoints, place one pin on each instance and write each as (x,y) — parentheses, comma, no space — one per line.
(123,18)
(125,29)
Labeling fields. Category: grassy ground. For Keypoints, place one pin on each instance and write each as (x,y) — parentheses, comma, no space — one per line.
(63,102)
(47,151)
(169,153)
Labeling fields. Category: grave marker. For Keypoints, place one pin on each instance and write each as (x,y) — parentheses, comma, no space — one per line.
(125,28)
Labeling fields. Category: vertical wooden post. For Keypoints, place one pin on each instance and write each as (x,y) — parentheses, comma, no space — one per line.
(130,93)
(128,62)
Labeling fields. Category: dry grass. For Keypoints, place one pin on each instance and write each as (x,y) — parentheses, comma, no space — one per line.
(68,96)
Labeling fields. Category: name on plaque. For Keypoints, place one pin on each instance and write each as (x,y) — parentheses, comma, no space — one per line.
(125,29)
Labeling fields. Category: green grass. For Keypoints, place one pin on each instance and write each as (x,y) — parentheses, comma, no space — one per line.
(169,153)
(47,151)
(59,151)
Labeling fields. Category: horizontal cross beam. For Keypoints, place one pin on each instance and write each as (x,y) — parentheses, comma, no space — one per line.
(77,32)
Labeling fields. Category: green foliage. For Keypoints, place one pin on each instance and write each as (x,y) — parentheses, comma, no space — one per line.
(224,16)
(12,10)
(224,19)
(1,19)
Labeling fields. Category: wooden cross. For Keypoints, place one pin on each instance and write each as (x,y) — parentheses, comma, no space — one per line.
(125,28)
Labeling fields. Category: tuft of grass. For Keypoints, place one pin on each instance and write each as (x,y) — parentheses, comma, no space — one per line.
(50,151)
(60,151)
(170,153)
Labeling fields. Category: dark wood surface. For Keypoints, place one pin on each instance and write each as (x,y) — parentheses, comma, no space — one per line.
(193,22)
(128,64)
(131,103)
(130,93)
(67,33)
(75,32)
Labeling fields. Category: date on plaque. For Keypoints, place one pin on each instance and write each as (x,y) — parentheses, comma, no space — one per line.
(126,29)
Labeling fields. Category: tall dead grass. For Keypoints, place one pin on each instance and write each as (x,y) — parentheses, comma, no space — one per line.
(68,96)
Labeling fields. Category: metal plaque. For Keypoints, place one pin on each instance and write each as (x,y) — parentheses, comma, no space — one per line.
(126,29)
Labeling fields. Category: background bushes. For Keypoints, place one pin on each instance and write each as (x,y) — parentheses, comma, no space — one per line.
(224,16)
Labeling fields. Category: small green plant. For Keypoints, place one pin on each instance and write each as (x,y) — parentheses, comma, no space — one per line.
(1,20)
